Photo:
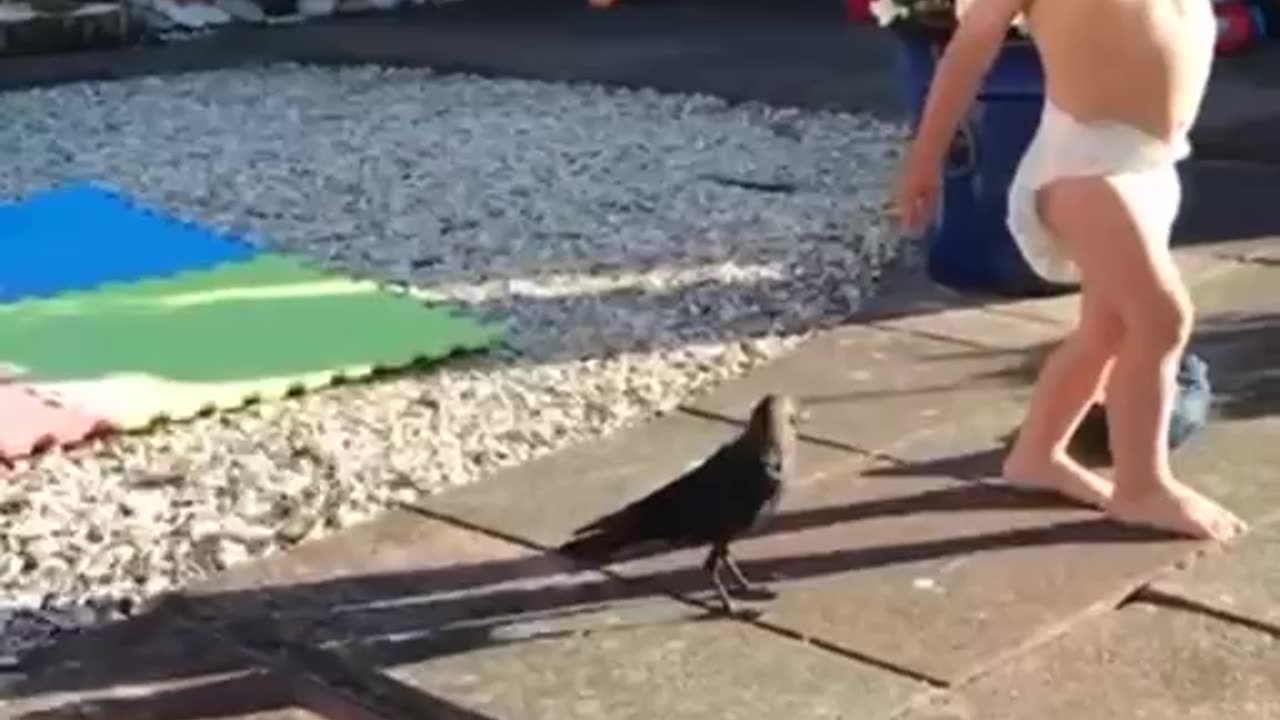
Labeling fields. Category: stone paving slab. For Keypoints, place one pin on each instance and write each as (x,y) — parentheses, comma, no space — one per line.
(868,387)
(654,658)
(1238,325)
(151,667)
(932,576)
(1234,461)
(1243,580)
(1235,458)
(567,489)
(959,406)
(1140,662)
(496,629)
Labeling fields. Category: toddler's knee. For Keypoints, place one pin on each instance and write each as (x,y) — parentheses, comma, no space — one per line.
(1165,321)
(1103,335)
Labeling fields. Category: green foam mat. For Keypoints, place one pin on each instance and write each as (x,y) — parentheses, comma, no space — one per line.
(217,338)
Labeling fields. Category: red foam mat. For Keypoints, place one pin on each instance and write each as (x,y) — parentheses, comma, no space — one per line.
(29,424)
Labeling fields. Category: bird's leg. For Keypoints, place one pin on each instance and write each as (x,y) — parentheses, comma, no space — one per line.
(745,588)
(712,566)
(736,571)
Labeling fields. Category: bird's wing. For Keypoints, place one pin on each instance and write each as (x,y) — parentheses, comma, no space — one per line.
(703,480)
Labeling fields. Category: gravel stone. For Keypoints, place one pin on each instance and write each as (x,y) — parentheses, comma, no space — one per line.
(642,248)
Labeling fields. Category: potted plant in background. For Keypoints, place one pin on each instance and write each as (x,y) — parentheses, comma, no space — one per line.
(969,246)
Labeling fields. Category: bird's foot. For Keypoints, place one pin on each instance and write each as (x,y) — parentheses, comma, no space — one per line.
(743,588)
(730,609)
(758,593)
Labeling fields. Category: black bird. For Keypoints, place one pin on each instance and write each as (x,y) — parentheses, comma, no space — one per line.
(715,502)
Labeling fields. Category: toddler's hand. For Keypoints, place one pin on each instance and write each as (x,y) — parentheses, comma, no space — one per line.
(917,194)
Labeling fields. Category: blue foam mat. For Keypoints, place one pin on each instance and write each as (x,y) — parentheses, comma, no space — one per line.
(82,236)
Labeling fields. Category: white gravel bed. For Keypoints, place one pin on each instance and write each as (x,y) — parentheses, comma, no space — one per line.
(584,216)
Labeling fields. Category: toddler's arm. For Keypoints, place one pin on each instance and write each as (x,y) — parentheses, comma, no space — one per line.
(982,29)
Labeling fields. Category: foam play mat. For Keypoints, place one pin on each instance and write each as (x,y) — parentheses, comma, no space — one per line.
(150,341)
(29,423)
(78,237)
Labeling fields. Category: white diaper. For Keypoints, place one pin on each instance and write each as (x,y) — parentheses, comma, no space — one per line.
(1141,167)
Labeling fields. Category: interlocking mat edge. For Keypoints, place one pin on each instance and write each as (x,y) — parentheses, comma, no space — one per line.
(240,326)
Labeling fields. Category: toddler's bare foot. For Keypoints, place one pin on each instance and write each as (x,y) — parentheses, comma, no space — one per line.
(1176,508)
(1060,474)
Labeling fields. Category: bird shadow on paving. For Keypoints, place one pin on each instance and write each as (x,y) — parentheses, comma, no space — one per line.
(384,620)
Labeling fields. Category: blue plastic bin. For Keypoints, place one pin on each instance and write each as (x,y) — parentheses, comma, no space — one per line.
(969,245)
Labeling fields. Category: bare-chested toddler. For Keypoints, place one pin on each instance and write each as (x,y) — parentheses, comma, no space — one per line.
(1094,200)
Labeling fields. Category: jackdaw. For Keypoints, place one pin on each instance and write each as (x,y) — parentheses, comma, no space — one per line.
(715,502)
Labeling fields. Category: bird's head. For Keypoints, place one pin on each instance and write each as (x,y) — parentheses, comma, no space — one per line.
(775,415)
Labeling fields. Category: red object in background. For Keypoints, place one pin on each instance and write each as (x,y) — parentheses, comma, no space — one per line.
(857,10)
(1239,25)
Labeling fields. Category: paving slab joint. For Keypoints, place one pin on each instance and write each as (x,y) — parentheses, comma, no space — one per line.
(469,526)
(702,414)
(890,667)
(1148,595)
(938,337)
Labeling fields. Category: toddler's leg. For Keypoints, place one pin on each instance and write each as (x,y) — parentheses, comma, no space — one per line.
(1114,229)
(1068,383)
